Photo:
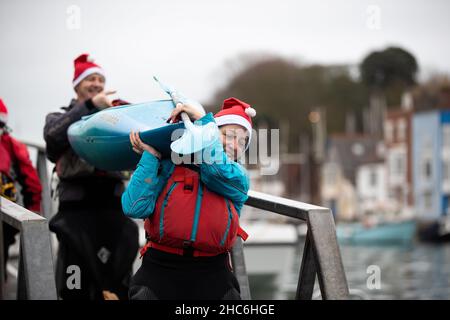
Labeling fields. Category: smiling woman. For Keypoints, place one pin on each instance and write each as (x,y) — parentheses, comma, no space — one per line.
(191,212)
(235,138)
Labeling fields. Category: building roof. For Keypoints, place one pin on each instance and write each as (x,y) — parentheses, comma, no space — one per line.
(398,112)
(352,151)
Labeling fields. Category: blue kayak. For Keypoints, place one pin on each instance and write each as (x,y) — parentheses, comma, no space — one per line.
(383,233)
(102,139)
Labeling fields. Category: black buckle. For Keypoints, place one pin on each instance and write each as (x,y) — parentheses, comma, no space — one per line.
(188,250)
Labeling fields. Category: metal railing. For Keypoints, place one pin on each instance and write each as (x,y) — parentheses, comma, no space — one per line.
(36,278)
(321,254)
(41,166)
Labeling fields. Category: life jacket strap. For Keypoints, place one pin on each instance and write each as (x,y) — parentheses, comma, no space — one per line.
(179,251)
(241,233)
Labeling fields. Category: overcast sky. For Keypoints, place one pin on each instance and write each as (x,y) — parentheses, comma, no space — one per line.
(187,43)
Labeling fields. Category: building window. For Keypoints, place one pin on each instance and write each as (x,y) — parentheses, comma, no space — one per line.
(388,131)
(427,169)
(427,200)
(401,129)
(358,149)
(447,207)
(446,136)
(446,171)
(398,165)
(373,178)
(427,155)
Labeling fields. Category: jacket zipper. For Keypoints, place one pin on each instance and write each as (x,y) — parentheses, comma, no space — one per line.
(161,218)
(198,204)
(227,230)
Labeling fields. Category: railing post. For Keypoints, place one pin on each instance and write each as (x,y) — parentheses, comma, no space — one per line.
(2,262)
(308,271)
(330,270)
(238,261)
(21,282)
(36,273)
(38,268)
(43,176)
(321,255)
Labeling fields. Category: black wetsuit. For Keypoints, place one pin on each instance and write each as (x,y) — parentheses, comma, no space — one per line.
(93,233)
(169,276)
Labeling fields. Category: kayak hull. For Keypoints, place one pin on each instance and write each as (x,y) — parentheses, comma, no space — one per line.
(102,139)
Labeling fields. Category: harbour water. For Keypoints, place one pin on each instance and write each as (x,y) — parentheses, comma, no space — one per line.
(417,271)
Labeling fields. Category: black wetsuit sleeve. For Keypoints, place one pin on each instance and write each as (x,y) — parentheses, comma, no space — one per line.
(56,125)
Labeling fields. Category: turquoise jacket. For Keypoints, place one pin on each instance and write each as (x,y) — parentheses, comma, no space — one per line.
(219,174)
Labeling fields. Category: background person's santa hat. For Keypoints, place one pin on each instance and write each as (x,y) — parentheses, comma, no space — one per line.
(84,67)
(3,112)
(235,111)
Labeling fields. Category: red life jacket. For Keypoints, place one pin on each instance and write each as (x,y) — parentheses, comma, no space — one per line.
(188,215)
(7,187)
(5,155)
(14,155)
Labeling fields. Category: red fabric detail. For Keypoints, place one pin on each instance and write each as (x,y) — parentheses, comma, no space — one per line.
(18,154)
(81,64)
(119,102)
(241,233)
(188,185)
(178,251)
(178,174)
(5,155)
(214,221)
(179,215)
(231,102)
(3,110)
(233,106)
(144,250)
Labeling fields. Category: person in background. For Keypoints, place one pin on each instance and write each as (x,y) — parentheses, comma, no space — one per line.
(93,233)
(16,168)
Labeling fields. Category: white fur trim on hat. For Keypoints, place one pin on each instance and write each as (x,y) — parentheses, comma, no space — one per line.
(235,119)
(87,73)
(3,117)
(250,112)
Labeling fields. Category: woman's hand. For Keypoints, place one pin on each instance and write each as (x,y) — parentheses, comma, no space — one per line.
(192,112)
(139,147)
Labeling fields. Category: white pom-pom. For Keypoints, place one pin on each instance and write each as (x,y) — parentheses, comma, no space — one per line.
(250,112)
(90,59)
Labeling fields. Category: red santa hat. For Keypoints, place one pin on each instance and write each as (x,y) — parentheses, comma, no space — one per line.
(3,112)
(235,111)
(85,66)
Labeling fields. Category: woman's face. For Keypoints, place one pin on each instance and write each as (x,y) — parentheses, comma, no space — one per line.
(234,138)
